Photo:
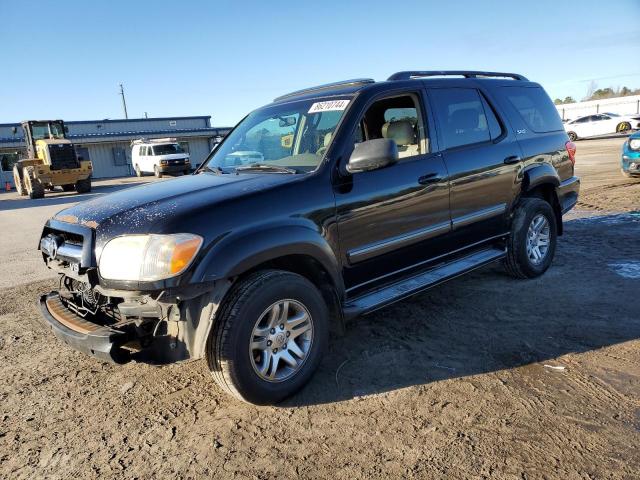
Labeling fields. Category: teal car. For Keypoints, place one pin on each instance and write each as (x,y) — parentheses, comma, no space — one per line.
(631,156)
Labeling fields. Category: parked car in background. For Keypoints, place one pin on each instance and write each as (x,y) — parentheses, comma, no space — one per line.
(159,156)
(600,124)
(631,156)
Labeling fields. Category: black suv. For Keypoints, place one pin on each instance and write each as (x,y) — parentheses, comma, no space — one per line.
(328,203)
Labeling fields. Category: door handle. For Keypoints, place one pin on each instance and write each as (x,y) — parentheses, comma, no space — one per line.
(429,178)
(512,159)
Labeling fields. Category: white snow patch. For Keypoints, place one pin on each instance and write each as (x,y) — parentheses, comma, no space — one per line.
(630,269)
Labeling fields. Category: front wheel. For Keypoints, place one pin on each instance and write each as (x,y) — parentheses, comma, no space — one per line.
(31,184)
(157,172)
(532,243)
(268,337)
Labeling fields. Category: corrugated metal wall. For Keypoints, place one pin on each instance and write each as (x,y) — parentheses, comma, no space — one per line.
(101,155)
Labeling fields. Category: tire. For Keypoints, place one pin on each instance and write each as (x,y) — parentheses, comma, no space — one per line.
(157,172)
(17,181)
(68,187)
(83,186)
(572,136)
(33,186)
(236,367)
(518,262)
(138,171)
(186,172)
(623,127)
(51,188)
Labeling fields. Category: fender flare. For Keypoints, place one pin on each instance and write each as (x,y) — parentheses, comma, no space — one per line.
(539,174)
(544,174)
(233,255)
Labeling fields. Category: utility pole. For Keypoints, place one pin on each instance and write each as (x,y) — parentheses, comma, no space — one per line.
(124,102)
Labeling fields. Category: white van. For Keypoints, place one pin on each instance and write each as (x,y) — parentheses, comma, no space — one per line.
(159,156)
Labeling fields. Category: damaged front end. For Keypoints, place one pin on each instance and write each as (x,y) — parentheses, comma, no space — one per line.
(157,326)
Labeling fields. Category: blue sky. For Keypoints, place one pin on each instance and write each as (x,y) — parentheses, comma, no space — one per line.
(65,59)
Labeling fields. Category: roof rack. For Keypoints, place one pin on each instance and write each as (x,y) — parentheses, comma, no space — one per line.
(327,86)
(142,140)
(445,73)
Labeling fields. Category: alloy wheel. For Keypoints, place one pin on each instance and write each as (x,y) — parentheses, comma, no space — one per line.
(281,340)
(538,239)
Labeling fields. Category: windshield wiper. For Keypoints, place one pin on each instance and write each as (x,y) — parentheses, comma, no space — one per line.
(264,167)
(215,169)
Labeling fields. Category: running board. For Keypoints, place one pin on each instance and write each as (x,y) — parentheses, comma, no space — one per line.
(370,302)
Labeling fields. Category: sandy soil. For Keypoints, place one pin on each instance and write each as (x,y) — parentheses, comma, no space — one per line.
(483,377)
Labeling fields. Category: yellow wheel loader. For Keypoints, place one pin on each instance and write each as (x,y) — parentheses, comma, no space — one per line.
(51,161)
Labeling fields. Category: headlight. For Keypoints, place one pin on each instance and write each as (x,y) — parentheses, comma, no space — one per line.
(148,257)
(634,144)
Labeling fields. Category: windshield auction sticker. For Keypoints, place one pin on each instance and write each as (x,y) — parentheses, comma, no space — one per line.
(329,106)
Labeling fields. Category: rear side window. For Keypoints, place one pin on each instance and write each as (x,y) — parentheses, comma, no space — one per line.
(464,116)
(535,108)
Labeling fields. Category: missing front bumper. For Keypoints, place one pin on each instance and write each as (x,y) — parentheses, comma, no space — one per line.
(101,342)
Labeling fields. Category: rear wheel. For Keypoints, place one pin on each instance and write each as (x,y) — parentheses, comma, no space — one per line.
(572,136)
(157,172)
(268,337)
(532,243)
(17,181)
(83,186)
(68,187)
(623,127)
(138,171)
(33,186)
(186,172)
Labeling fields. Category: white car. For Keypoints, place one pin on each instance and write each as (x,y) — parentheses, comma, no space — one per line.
(599,124)
(159,156)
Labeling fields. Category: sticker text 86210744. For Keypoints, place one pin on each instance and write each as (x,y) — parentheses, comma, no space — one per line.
(330,105)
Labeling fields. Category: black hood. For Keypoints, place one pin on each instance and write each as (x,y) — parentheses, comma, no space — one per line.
(138,209)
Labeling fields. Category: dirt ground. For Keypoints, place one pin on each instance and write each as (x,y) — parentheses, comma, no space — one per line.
(483,377)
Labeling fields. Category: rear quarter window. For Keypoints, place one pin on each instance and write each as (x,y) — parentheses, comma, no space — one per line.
(535,107)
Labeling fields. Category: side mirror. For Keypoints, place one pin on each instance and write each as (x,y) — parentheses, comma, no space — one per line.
(66,129)
(14,130)
(372,155)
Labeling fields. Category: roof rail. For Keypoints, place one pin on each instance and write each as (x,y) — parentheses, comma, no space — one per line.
(327,86)
(445,73)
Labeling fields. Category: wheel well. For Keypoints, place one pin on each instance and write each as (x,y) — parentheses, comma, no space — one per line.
(314,271)
(547,192)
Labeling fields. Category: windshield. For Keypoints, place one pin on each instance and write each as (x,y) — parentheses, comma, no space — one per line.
(167,149)
(40,131)
(293,136)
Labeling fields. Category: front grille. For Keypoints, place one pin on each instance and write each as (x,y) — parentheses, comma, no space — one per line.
(63,155)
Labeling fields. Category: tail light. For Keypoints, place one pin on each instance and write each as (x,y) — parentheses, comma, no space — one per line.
(571,150)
